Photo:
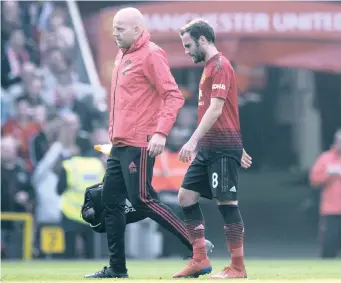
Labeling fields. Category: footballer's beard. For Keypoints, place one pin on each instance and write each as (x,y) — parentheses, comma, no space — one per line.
(198,57)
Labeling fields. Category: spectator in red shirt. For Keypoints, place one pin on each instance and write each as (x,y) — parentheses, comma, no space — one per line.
(22,128)
(326,175)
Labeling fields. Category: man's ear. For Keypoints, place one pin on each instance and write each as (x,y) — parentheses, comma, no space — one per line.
(137,29)
(202,40)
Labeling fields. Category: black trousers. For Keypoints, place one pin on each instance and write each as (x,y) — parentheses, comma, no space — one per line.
(330,235)
(11,241)
(129,175)
(73,229)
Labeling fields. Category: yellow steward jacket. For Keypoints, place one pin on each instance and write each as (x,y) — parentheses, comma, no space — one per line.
(81,172)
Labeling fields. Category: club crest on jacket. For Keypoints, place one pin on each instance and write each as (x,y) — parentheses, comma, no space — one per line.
(127,66)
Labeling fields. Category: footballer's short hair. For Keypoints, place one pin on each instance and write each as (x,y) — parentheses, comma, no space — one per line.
(197,28)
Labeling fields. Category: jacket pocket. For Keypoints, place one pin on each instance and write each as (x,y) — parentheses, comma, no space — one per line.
(125,125)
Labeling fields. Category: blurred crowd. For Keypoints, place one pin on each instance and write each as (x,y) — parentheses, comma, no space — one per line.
(48,112)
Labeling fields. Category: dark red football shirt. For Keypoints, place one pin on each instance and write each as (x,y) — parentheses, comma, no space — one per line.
(218,80)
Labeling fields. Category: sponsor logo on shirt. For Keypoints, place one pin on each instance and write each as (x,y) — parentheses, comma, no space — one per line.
(218,86)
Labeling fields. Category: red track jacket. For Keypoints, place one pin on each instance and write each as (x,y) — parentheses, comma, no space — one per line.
(145,98)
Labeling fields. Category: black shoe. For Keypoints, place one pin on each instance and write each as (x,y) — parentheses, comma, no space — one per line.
(107,273)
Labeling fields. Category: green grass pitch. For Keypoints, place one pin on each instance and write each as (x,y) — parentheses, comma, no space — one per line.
(298,271)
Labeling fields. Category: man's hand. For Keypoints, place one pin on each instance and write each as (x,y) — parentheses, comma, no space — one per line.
(156,145)
(246,160)
(187,151)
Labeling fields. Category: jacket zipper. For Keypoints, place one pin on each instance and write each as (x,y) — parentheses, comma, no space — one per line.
(113,116)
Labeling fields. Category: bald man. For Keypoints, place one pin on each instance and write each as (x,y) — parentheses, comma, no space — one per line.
(145,101)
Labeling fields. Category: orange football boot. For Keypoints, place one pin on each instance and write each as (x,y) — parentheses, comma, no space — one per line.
(194,269)
(230,272)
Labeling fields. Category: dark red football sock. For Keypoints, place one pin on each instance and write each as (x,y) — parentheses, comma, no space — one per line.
(234,234)
(195,226)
